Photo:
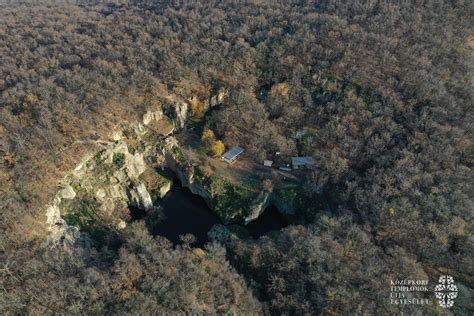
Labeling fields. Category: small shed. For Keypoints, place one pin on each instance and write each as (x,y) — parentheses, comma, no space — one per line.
(233,154)
(267,163)
(302,162)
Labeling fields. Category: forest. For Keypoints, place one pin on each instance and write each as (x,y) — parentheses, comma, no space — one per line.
(379,92)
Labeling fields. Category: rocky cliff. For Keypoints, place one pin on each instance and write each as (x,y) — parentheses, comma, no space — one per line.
(123,173)
(120,174)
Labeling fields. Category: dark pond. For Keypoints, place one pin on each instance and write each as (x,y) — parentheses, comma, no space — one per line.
(269,220)
(183,212)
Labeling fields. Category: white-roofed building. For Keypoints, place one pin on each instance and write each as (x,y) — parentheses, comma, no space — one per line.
(233,154)
(302,162)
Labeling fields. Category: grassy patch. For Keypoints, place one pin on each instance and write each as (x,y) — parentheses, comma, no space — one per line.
(230,201)
(82,213)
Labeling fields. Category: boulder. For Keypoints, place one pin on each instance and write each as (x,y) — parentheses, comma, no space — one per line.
(135,165)
(181,113)
(53,215)
(165,189)
(258,206)
(63,236)
(139,197)
(100,194)
(156,184)
(218,98)
(67,192)
(152,115)
(121,225)
(116,135)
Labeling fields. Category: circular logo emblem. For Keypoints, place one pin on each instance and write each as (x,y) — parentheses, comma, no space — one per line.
(446,291)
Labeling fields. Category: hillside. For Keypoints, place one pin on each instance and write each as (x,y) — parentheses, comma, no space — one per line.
(379,95)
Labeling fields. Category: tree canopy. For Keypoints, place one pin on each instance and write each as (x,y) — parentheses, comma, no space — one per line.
(379,93)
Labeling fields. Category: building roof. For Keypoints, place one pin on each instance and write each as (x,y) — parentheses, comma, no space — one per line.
(233,153)
(298,161)
(267,163)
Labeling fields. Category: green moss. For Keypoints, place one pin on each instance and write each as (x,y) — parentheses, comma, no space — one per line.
(82,212)
(295,197)
(177,154)
(230,201)
(98,158)
(118,159)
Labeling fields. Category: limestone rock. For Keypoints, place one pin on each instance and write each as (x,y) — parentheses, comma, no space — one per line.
(181,113)
(135,165)
(156,184)
(152,115)
(121,225)
(139,197)
(63,235)
(116,135)
(139,130)
(165,189)
(108,155)
(53,214)
(258,206)
(218,98)
(120,177)
(100,194)
(67,192)
(116,191)
(185,174)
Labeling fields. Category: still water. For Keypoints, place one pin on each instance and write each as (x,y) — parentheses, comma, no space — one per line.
(183,212)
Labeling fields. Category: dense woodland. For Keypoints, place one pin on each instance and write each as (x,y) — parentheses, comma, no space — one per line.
(379,92)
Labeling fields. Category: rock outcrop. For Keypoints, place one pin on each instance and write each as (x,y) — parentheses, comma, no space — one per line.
(110,179)
(258,206)
(184,171)
(263,201)
(151,115)
(218,98)
(123,174)
(178,112)
(139,197)
(61,234)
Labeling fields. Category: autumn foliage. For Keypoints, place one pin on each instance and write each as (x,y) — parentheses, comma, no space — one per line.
(379,93)
(218,148)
